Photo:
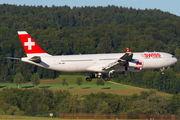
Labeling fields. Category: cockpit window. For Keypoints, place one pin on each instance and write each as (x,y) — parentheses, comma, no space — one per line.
(172,56)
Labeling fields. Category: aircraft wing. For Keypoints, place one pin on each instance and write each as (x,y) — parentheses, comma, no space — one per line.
(123,61)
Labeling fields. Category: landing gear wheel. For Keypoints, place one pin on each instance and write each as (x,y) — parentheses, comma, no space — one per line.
(162,69)
(88,79)
(112,75)
(107,79)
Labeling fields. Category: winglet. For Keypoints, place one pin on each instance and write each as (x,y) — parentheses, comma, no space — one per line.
(128,50)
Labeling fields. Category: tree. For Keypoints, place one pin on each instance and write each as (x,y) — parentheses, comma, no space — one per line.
(177,83)
(72,104)
(174,106)
(18,79)
(64,82)
(102,107)
(35,79)
(79,81)
(152,104)
(3,72)
(100,82)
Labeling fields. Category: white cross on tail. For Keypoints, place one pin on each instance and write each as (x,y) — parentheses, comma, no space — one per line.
(29,44)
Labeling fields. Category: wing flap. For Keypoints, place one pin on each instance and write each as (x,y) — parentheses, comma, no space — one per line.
(110,65)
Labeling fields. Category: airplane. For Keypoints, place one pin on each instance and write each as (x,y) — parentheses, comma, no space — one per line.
(94,63)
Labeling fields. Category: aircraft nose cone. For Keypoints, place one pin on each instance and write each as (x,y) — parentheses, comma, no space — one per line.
(176,60)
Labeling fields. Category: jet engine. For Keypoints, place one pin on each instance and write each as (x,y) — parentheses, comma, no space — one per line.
(133,69)
(135,63)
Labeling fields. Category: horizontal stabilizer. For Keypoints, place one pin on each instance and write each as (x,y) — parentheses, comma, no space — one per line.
(13,58)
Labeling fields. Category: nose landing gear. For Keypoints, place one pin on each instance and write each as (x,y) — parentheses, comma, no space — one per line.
(162,69)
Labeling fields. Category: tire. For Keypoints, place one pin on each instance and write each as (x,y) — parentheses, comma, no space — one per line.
(88,79)
(107,79)
(112,75)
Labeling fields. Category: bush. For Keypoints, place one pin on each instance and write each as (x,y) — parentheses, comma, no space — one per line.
(2,112)
(12,110)
(19,112)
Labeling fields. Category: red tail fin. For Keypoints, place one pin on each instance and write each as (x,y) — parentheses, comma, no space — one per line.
(30,46)
(128,50)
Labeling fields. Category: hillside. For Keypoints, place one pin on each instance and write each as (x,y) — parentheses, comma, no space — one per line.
(85,30)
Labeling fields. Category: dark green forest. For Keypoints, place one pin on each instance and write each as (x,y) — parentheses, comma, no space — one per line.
(86,30)
(33,102)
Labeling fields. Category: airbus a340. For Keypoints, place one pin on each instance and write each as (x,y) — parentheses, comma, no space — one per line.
(94,63)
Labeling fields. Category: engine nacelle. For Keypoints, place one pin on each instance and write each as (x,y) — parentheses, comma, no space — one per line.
(135,63)
(133,69)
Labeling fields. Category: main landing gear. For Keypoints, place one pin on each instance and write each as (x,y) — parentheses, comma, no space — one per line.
(110,75)
(162,69)
(98,75)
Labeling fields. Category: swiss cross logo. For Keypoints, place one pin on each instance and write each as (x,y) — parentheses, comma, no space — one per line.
(29,44)
(128,50)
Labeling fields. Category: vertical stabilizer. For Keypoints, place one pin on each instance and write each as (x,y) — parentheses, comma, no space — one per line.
(30,46)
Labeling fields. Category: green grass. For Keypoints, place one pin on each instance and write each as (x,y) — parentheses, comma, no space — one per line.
(83,86)
(71,80)
(15,117)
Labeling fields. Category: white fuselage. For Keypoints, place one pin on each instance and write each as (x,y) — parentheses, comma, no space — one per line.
(95,62)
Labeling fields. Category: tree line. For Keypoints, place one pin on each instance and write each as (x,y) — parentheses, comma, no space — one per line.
(62,30)
(14,101)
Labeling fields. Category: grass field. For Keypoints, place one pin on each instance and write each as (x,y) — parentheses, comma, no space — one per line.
(71,80)
(14,117)
(86,87)
(70,86)
(124,92)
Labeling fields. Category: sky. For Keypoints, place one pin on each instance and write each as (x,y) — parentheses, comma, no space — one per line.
(171,6)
